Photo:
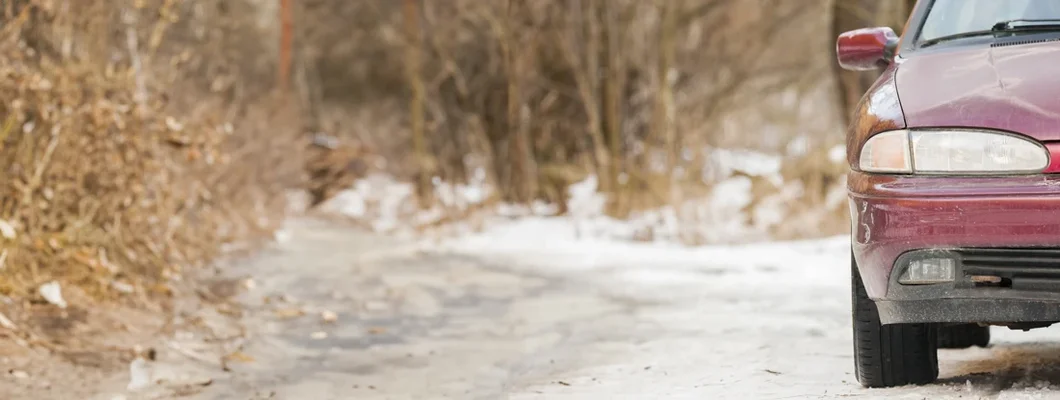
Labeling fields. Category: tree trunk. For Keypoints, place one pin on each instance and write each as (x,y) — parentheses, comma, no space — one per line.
(664,112)
(524,179)
(614,84)
(417,99)
(585,65)
(286,40)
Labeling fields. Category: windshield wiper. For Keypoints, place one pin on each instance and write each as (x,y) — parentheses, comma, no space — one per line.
(962,35)
(1021,25)
(1002,27)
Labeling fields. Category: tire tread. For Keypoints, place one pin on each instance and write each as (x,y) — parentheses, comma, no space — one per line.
(889,355)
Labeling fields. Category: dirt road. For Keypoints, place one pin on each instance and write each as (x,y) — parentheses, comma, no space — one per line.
(479,322)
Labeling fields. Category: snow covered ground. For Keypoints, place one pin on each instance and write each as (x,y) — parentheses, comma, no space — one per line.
(769,320)
(761,321)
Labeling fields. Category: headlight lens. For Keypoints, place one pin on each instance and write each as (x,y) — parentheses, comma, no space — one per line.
(887,152)
(952,152)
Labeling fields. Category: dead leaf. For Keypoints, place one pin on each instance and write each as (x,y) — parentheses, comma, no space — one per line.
(239,356)
(174,125)
(162,289)
(6,322)
(287,313)
(329,316)
(376,330)
(122,287)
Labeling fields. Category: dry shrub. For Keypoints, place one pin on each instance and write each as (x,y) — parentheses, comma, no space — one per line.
(539,94)
(110,172)
(812,197)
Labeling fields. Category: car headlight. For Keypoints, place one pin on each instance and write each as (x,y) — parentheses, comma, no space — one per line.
(952,151)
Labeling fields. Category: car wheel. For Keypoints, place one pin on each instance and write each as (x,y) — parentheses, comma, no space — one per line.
(963,336)
(889,355)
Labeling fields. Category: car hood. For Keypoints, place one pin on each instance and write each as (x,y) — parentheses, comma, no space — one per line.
(1012,88)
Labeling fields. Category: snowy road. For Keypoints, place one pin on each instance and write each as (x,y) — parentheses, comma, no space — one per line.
(546,316)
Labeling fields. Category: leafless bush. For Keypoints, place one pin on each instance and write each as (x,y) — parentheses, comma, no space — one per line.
(135,139)
(538,94)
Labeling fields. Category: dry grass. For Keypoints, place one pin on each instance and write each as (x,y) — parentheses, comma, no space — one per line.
(110,174)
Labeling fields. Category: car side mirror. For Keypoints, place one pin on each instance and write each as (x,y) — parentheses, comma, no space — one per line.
(866,49)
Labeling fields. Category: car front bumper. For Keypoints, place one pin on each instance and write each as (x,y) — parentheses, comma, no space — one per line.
(1010,221)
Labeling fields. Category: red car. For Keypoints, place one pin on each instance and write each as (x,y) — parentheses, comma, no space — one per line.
(955,182)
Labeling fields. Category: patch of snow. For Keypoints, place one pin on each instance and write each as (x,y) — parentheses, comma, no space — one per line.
(388,205)
(350,203)
(282,235)
(584,200)
(378,199)
(722,163)
(475,194)
(838,153)
(659,277)
(139,375)
(461,196)
(731,194)
(7,230)
(837,195)
(548,242)
(799,146)
(775,209)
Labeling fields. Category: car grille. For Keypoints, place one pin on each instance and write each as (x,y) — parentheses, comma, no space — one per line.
(1020,269)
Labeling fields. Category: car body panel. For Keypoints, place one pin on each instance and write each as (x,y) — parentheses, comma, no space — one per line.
(1012,88)
(892,215)
(879,111)
(1054,158)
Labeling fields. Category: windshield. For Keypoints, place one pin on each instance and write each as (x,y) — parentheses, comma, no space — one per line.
(952,17)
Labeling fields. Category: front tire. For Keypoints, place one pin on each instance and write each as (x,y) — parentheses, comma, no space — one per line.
(889,355)
(963,336)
